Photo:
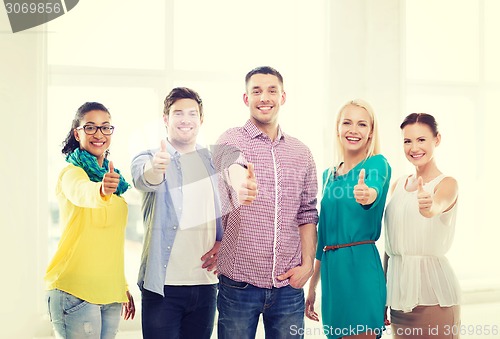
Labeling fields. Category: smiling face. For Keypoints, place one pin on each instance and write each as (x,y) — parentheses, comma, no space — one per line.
(98,143)
(354,130)
(183,124)
(264,97)
(419,143)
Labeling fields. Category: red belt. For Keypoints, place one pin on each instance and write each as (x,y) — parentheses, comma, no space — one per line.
(336,247)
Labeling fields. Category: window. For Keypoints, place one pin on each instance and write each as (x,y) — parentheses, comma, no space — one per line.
(453,73)
(128,56)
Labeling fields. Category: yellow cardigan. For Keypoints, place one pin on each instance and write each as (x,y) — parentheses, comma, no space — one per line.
(89,261)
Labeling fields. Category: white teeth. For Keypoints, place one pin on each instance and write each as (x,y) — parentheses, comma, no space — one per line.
(418,156)
(98,143)
(353,139)
(265,108)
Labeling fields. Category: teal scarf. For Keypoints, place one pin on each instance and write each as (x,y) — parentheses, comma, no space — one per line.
(89,164)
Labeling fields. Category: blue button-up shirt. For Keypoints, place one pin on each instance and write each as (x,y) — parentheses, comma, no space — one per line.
(162,210)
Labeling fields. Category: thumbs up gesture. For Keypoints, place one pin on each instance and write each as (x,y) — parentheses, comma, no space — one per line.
(248,191)
(161,159)
(424,199)
(154,170)
(361,190)
(110,181)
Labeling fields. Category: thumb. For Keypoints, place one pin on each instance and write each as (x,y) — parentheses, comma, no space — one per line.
(285,275)
(163,146)
(250,170)
(420,184)
(361,179)
(111,167)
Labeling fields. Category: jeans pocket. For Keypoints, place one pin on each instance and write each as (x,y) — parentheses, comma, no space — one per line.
(48,308)
(226,282)
(151,296)
(295,288)
(72,303)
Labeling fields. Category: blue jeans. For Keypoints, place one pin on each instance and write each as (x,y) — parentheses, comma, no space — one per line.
(74,318)
(240,305)
(184,312)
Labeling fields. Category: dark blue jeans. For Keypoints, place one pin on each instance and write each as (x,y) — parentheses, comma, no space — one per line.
(184,312)
(240,306)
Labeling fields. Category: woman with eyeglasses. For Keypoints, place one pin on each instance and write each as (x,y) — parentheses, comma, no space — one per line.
(87,291)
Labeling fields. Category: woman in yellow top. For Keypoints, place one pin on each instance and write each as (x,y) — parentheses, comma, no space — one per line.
(86,279)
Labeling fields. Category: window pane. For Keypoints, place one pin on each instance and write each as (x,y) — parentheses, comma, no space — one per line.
(442,40)
(486,205)
(457,156)
(253,34)
(138,126)
(228,110)
(221,111)
(112,33)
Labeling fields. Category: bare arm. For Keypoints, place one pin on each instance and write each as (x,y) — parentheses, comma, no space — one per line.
(308,240)
(387,322)
(311,294)
(444,198)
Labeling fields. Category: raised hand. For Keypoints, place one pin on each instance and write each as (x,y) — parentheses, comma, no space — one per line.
(161,159)
(424,199)
(361,190)
(110,181)
(248,191)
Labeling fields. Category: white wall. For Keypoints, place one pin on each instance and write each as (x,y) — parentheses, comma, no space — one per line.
(23,210)
(365,62)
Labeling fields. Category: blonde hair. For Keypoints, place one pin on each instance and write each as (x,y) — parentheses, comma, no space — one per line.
(373,144)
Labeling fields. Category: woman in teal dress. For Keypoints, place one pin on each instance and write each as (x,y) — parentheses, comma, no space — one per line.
(354,192)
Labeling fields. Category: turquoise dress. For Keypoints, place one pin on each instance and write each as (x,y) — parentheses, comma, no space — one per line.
(352,279)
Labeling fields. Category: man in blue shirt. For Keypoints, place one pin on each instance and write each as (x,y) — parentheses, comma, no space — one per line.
(181,212)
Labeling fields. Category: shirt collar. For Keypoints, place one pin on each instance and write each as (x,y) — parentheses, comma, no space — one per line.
(175,154)
(254,131)
(171,150)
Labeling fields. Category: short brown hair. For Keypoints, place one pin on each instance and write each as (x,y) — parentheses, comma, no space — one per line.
(181,93)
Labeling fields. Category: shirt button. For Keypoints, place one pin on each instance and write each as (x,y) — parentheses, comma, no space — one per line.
(168,247)
(175,227)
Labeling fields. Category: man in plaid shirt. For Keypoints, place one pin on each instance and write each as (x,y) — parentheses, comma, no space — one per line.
(268,195)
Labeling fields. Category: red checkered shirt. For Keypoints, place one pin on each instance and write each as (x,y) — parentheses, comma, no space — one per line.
(262,241)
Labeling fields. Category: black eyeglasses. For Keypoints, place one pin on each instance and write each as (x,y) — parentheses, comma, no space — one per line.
(92,129)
